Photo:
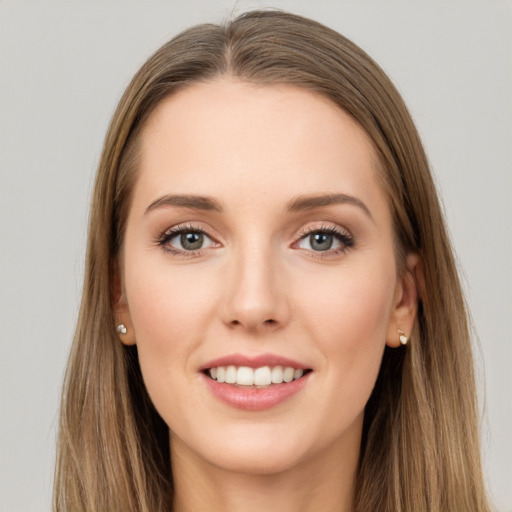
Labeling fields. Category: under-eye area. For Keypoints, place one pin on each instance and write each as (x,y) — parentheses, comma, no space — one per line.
(264,376)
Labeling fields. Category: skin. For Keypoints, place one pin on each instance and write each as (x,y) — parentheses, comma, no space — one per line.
(258,286)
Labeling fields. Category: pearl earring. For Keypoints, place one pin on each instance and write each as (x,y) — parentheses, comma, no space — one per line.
(402,337)
(121,329)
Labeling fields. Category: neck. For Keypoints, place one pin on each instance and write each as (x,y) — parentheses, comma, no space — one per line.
(324,482)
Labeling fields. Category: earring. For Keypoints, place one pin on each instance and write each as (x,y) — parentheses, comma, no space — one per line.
(121,329)
(402,337)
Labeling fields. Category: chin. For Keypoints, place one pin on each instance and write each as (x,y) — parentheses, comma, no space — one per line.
(256,460)
(258,449)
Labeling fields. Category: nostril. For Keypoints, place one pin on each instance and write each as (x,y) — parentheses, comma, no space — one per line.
(253,324)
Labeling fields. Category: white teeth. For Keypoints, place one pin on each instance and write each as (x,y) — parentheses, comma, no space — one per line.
(230,375)
(245,376)
(277,375)
(288,374)
(261,377)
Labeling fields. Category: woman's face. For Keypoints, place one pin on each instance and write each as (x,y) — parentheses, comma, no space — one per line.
(259,248)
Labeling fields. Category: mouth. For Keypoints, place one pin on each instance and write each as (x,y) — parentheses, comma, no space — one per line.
(255,378)
(255,382)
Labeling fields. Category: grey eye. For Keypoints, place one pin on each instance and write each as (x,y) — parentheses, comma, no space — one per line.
(321,241)
(191,241)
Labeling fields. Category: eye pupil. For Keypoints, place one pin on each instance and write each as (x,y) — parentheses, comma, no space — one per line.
(191,241)
(321,241)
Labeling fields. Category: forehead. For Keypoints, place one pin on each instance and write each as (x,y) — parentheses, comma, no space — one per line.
(237,140)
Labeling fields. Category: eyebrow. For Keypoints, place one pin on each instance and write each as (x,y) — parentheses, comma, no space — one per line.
(317,201)
(186,201)
(300,203)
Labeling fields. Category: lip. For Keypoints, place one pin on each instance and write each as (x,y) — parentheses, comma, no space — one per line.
(254,399)
(250,398)
(256,361)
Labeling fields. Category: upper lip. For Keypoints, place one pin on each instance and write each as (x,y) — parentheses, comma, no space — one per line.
(253,361)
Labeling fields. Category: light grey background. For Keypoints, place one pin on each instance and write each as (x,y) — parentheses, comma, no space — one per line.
(64,65)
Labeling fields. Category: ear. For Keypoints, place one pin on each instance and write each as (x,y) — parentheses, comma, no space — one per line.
(121,309)
(405,305)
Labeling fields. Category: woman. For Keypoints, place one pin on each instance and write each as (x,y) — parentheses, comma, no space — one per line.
(272,317)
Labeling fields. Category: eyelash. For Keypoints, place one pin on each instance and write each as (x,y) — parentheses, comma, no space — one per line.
(171,233)
(346,239)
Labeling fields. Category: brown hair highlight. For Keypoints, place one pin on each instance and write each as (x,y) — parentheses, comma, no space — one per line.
(420,448)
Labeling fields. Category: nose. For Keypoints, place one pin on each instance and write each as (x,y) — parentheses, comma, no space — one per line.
(255,296)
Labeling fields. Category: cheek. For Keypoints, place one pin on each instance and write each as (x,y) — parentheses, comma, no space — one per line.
(170,312)
(348,317)
(353,305)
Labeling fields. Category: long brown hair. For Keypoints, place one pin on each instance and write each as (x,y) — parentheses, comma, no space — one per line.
(420,449)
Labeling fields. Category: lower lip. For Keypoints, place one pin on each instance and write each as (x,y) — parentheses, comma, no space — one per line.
(254,399)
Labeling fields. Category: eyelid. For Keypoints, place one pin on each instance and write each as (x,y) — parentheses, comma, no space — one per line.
(343,235)
(174,231)
(329,227)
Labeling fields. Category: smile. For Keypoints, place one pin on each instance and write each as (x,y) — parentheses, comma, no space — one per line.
(255,377)
(255,383)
